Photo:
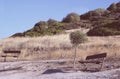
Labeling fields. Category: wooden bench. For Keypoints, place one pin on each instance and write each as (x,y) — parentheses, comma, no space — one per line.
(14,54)
(95,59)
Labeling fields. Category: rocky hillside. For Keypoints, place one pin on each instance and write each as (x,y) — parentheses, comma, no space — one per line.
(101,16)
(92,19)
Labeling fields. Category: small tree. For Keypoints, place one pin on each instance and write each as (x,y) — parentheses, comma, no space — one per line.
(77,38)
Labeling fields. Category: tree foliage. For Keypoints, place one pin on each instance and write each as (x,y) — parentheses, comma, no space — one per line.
(77,37)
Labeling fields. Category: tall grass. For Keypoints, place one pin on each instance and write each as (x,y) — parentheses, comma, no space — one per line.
(59,47)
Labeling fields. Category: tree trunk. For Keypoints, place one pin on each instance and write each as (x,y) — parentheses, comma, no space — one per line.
(75,57)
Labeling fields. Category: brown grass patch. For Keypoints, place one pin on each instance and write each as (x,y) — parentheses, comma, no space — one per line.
(59,47)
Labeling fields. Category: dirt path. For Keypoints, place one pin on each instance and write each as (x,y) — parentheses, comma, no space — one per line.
(53,69)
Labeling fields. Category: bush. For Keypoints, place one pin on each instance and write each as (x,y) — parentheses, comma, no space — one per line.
(51,27)
(51,22)
(98,13)
(112,7)
(106,30)
(102,31)
(115,7)
(41,25)
(71,18)
(18,35)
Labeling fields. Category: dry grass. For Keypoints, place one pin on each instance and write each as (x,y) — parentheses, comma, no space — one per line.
(59,47)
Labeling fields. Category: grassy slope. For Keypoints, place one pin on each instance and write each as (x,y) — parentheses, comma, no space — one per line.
(59,46)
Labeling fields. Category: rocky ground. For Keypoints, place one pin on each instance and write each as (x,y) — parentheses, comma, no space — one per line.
(58,69)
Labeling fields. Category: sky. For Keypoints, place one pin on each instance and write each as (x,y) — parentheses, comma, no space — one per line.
(21,15)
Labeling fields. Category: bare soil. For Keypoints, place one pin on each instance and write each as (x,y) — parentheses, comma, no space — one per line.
(59,69)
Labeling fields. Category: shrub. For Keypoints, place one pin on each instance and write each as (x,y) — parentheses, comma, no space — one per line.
(112,7)
(18,35)
(101,31)
(106,30)
(71,18)
(51,22)
(115,7)
(98,13)
(41,24)
(51,27)
(118,7)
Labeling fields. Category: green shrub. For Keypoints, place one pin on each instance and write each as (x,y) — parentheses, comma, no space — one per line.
(95,14)
(71,18)
(51,22)
(101,31)
(106,30)
(18,35)
(51,27)
(112,7)
(115,7)
(41,25)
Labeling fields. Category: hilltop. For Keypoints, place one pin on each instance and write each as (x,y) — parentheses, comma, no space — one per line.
(92,20)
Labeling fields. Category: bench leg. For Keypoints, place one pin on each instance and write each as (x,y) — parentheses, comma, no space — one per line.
(85,67)
(102,65)
(4,59)
(17,59)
